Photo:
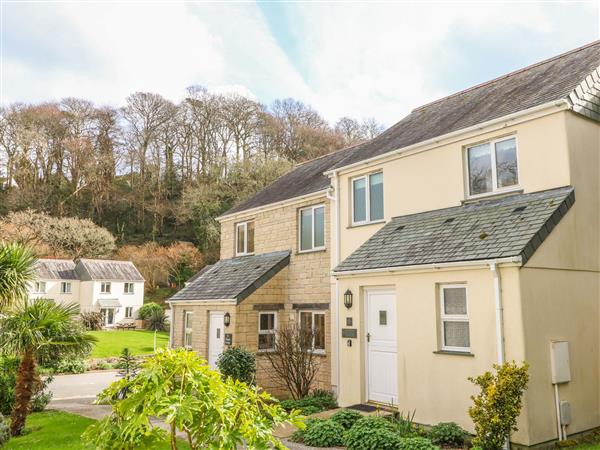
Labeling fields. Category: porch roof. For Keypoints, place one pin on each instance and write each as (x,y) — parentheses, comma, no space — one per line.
(515,225)
(109,303)
(234,278)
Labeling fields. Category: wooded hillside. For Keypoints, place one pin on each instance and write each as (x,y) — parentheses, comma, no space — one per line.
(155,170)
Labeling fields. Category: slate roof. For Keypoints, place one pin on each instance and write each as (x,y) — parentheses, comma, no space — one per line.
(546,81)
(234,278)
(55,269)
(198,274)
(99,269)
(515,225)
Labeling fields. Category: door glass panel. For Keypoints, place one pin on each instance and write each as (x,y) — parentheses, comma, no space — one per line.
(376,196)
(480,169)
(506,163)
(218,333)
(320,227)
(306,229)
(360,200)
(382,317)
(456,334)
(455,301)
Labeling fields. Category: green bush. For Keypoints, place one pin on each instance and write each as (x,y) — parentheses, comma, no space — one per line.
(497,406)
(372,433)
(447,433)
(319,400)
(238,363)
(42,396)
(416,443)
(346,417)
(406,426)
(147,309)
(71,365)
(323,433)
(4,430)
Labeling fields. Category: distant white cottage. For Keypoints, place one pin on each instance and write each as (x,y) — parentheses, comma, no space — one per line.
(114,288)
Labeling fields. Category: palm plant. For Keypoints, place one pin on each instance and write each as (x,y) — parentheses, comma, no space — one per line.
(29,328)
(16,271)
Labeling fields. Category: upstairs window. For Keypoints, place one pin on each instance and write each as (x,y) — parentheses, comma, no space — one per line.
(244,238)
(65,287)
(128,288)
(267,326)
(105,287)
(312,228)
(492,166)
(40,287)
(454,318)
(367,198)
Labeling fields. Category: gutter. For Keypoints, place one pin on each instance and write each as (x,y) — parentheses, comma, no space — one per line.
(499,312)
(561,104)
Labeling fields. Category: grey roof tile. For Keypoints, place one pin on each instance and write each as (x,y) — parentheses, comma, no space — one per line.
(234,278)
(55,269)
(426,238)
(105,269)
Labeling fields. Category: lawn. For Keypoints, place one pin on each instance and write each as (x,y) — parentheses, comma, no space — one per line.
(55,430)
(139,342)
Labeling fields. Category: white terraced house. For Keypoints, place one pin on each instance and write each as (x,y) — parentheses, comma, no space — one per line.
(113,288)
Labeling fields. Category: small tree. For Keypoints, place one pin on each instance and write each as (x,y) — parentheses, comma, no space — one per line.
(496,408)
(180,389)
(293,363)
(127,365)
(238,363)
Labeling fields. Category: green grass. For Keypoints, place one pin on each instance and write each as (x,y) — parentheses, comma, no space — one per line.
(139,342)
(56,430)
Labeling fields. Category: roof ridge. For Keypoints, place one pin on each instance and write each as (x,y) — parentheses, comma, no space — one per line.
(509,74)
(107,260)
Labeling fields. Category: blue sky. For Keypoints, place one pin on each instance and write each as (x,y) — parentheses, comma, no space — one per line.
(362,59)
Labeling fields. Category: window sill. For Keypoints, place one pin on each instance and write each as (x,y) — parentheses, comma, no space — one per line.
(453,352)
(492,195)
(316,250)
(365,224)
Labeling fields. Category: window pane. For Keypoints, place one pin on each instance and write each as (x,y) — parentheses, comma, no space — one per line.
(456,334)
(319,331)
(267,322)
(188,320)
(250,236)
(320,227)
(455,301)
(306,330)
(266,341)
(240,238)
(506,163)
(360,200)
(480,169)
(376,196)
(382,317)
(306,229)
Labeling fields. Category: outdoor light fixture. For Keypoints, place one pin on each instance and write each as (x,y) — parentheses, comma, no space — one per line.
(227,319)
(348,299)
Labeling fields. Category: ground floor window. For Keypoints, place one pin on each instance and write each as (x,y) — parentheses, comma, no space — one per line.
(108,315)
(312,325)
(454,318)
(129,312)
(267,326)
(187,329)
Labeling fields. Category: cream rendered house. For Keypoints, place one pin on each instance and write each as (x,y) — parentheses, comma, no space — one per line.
(465,235)
(113,288)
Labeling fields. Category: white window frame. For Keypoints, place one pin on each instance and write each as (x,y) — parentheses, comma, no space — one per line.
(128,312)
(37,285)
(103,285)
(314,312)
(245,226)
(126,290)
(313,247)
(453,318)
(187,331)
(66,287)
(495,189)
(367,200)
(273,332)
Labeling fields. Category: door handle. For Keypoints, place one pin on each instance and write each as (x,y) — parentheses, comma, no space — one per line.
(368,337)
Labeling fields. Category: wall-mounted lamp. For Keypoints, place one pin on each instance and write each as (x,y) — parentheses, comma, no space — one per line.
(348,299)
(227,319)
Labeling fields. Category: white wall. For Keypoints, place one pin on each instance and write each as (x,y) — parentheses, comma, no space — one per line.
(91,291)
(53,291)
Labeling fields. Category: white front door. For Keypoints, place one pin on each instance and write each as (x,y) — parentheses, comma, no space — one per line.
(381,355)
(216,339)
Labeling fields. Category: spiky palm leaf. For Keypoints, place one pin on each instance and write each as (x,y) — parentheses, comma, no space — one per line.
(17,264)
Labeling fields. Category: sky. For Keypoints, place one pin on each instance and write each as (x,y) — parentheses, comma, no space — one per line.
(361,59)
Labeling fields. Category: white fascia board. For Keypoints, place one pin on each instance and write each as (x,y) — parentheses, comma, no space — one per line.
(267,207)
(216,302)
(445,139)
(477,264)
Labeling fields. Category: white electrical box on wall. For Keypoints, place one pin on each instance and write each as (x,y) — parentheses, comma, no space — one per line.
(559,358)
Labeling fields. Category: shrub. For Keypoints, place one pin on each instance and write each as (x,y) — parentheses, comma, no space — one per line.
(92,321)
(496,408)
(238,363)
(406,426)
(42,396)
(4,431)
(346,418)
(319,400)
(71,365)
(127,365)
(147,309)
(372,435)
(416,443)
(447,433)
(157,321)
(323,433)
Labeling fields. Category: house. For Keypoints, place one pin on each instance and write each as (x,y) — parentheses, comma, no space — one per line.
(465,235)
(113,288)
